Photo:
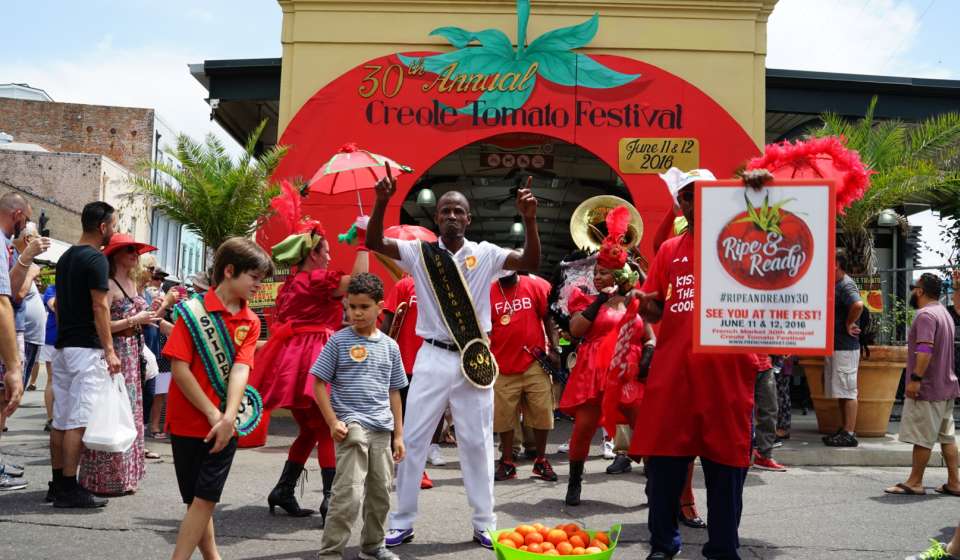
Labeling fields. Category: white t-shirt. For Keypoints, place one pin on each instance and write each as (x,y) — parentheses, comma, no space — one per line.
(480,264)
(35,317)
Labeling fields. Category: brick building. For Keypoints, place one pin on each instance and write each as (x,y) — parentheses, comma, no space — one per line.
(64,155)
(60,183)
(123,134)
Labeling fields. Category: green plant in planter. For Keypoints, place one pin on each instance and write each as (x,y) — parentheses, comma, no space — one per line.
(909,163)
(897,315)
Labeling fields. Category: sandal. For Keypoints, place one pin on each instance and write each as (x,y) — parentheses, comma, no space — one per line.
(147,454)
(158,435)
(901,489)
(942,489)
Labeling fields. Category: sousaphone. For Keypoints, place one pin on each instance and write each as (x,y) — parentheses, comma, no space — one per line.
(588,225)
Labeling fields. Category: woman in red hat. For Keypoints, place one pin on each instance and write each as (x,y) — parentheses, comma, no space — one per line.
(120,473)
(597,319)
(308,309)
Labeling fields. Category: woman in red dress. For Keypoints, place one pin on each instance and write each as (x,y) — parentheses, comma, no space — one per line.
(308,310)
(597,319)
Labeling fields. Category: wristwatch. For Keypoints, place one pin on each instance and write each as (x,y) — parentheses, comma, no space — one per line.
(915,377)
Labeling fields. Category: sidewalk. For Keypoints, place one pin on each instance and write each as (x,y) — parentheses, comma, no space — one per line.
(804,448)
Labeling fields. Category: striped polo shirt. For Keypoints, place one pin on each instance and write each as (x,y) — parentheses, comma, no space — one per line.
(361,372)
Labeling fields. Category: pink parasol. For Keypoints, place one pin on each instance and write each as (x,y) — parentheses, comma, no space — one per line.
(407,233)
(818,158)
(353,169)
(404,233)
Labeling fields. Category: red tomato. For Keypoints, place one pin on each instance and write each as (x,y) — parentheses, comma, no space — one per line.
(766,260)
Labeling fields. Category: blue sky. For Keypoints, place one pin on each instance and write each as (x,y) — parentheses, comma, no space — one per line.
(135,52)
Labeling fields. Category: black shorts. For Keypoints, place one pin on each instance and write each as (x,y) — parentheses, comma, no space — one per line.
(200,473)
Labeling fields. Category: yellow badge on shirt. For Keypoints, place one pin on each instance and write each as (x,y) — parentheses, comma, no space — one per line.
(358,353)
(240,334)
(471,262)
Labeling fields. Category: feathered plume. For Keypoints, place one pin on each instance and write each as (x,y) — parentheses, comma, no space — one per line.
(818,157)
(287,206)
(617,221)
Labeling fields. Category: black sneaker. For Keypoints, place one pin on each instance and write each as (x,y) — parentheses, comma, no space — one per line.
(659,556)
(542,469)
(842,439)
(620,465)
(78,498)
(51,493)
(833,435)
(505,471)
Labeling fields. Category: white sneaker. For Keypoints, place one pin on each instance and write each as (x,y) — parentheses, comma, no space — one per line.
(608,452)
(435,456)
(563,447)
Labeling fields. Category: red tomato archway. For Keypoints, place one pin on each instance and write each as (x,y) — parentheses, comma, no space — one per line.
(656,105)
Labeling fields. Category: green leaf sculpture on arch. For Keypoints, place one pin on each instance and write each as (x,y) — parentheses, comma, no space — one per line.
(552,54)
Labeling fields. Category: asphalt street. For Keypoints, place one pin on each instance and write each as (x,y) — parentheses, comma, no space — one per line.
(807,513)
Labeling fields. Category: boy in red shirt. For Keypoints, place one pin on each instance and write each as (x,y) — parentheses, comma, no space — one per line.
(201,424)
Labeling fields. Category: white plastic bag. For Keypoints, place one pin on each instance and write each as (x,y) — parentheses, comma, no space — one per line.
(150,361)
(111,427)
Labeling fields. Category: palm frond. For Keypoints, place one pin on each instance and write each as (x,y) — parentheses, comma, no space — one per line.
(215,197)
(934,137)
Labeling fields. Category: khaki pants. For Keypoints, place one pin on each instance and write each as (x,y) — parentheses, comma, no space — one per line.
(621,441)
(364,475)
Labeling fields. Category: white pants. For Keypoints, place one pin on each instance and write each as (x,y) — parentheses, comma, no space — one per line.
(436,382)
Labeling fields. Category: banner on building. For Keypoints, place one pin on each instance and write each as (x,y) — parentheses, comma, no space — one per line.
(765,268)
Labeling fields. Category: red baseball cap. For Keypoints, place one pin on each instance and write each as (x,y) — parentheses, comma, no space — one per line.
(120,241)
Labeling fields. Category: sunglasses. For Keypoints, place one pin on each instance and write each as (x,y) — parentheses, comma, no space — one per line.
(130,249)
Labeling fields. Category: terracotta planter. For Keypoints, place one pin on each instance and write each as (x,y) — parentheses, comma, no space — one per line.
(877,382)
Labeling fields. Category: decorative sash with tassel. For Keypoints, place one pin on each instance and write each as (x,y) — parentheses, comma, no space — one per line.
(459,314)
(217,352)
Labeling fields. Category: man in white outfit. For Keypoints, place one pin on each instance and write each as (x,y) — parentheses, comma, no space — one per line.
(437,378)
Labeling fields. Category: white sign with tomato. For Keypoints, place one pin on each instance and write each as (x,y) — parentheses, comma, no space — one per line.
(765,268)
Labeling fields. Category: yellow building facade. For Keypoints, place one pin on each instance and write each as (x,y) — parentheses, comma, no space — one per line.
(718,46)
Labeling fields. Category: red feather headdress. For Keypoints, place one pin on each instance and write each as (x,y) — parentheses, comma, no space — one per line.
(287,206)
(613,254)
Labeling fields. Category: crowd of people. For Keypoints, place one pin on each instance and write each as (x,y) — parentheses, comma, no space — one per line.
(468,337)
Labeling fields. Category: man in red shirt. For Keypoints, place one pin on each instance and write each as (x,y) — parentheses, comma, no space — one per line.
(695,405)
(404,292)
(521,324)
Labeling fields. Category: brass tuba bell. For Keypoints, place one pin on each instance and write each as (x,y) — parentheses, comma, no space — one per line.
(590,216)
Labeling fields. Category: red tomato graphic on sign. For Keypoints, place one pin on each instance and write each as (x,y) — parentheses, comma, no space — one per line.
(766,248)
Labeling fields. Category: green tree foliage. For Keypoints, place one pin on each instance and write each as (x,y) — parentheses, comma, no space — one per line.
(909,162)
(217,197)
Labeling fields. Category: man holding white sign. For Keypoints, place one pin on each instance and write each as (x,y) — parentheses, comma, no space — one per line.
(696,405)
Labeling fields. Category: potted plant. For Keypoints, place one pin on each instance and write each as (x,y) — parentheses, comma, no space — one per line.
(907,163)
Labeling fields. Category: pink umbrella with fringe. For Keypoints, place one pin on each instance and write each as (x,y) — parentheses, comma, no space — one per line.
(818,158)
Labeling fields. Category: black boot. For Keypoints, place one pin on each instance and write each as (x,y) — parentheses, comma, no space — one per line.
(283,493)
(327,474)
(573,485)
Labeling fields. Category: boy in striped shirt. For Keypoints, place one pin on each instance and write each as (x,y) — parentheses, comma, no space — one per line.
(365,373)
